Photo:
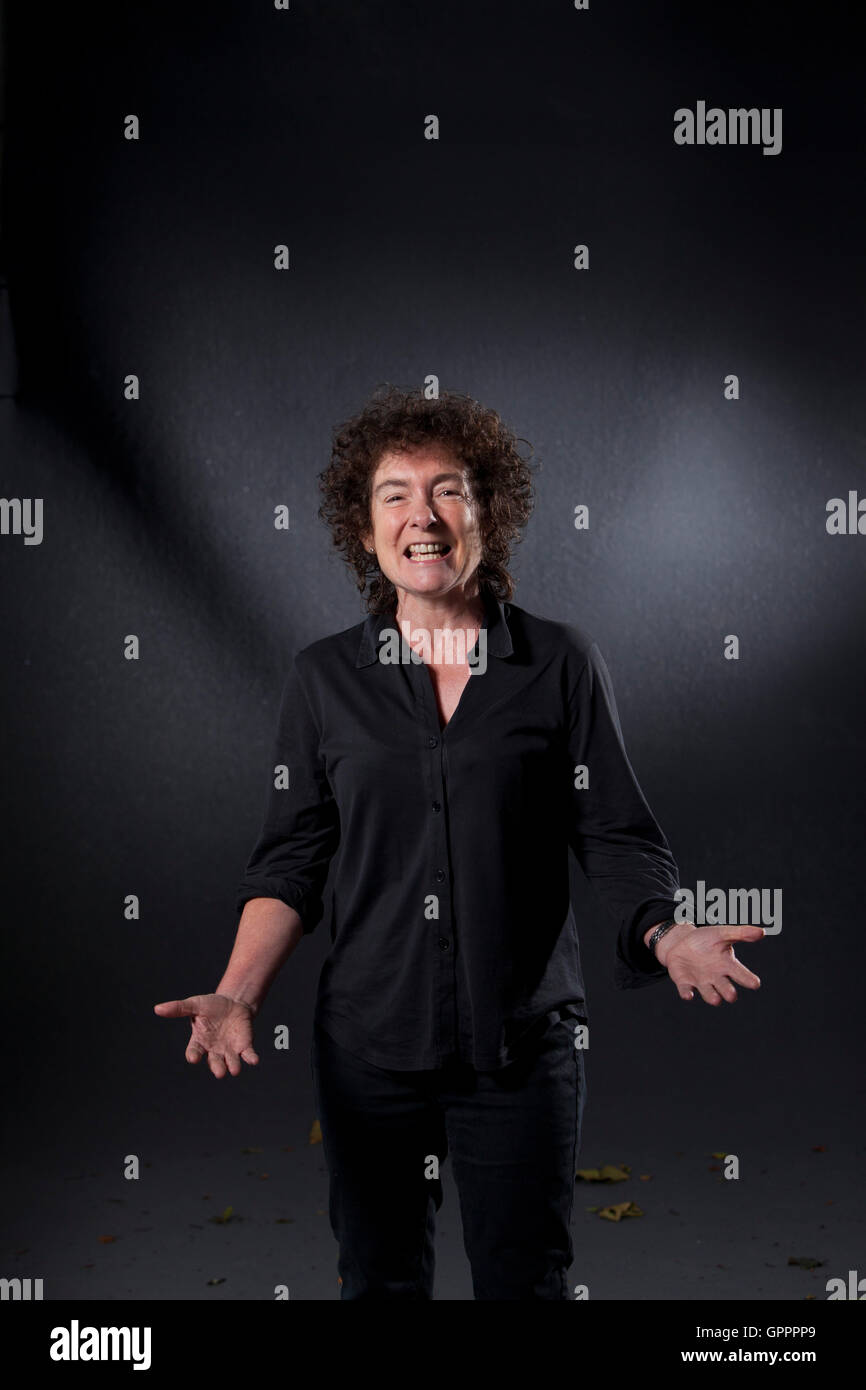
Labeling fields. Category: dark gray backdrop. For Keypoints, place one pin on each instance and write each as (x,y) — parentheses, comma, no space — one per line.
(411,257)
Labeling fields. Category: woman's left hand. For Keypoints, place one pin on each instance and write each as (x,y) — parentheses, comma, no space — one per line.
(702,959)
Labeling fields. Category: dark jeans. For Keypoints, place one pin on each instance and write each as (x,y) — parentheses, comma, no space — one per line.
(513,1136)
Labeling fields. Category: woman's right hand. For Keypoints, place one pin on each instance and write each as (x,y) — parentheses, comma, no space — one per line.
(221,1030)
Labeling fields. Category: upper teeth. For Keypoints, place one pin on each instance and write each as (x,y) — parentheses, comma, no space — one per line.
(426,547)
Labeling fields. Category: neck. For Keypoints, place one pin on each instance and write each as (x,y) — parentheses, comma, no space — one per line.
(459,608)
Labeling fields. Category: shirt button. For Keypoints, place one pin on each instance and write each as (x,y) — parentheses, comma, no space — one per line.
(440,874)
(444,943)
(432,742)
(436,806)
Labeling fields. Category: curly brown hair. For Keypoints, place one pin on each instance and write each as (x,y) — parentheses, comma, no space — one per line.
(403,418)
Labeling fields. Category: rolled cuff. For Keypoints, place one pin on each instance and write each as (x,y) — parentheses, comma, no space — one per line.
(308,906)
(635,964)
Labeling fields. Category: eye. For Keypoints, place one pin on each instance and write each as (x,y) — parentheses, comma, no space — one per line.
(446,492)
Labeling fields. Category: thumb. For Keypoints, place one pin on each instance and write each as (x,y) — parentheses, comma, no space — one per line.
(179,1008)
(747,933)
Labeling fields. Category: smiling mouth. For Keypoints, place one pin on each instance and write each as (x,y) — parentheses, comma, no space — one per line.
(427,551)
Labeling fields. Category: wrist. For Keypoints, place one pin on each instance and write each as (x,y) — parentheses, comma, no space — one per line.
(652,936)
(239,997)
(671,939)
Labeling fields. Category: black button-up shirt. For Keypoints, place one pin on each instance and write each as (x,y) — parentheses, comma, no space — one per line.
(450,917)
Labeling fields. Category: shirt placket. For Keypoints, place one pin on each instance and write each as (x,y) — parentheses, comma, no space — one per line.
(440,947)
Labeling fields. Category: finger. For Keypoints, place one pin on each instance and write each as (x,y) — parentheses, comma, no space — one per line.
(194,1051)
(178,1008)
(724,987)
(216,1064)
(233,1062)
(684,987)
(249,1055)
(742,975)
(709,993)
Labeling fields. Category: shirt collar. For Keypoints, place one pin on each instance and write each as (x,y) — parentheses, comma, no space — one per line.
(498,639)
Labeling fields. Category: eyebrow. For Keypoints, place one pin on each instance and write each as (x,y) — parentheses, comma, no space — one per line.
(404,482)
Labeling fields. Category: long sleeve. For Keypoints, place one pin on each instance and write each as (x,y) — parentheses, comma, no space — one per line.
(301,829)
(612,831)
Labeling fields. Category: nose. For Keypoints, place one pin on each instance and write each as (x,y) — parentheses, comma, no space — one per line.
(423,513)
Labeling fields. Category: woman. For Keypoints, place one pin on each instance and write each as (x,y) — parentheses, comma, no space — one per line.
(445,753)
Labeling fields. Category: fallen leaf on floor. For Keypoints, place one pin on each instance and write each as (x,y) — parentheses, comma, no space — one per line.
(805,1261)
(609,1172)
(216,1281)
(590,1208)
(619,1210)
(723,1154)
(106,1240)
(225,1216)
(316,1133)
(646,1177)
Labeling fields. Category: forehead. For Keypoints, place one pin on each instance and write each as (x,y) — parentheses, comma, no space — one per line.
(417,460)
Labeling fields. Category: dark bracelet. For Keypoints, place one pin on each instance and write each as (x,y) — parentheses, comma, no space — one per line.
(659,933)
